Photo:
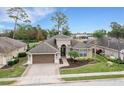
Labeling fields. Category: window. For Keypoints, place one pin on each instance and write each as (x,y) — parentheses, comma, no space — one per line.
(83,53)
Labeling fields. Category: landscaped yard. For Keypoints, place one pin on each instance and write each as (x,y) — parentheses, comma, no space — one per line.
(96,67)
(14,71)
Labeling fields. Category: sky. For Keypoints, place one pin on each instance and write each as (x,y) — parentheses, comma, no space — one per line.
(80,19)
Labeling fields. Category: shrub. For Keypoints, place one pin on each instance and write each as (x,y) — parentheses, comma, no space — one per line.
(119,61)
(22,54)
(13,62)
(73,54)
(85,59)
(109,64)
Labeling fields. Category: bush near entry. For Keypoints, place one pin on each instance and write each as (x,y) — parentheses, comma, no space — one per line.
(22,54)
(13,62)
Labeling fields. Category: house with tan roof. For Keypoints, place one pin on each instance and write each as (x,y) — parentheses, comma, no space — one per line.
(51,50)
(9,48)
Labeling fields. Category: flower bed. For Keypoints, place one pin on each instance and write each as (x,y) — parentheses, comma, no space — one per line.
(79,62)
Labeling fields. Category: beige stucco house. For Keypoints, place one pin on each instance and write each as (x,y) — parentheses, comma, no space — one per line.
(51,50)
(9,48)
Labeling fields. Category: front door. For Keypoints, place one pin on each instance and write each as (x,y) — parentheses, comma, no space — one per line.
(63,50)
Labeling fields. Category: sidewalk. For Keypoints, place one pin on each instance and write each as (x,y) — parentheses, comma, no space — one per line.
(66,75)
(92,74)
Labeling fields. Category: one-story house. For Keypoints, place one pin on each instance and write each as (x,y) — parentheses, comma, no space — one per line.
(110,47)
(51,50)
(9,48)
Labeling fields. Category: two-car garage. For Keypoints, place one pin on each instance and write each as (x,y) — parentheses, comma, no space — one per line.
(42,58)
(43,53)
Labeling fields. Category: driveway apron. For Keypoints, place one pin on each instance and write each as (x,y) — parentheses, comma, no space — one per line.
(40,74)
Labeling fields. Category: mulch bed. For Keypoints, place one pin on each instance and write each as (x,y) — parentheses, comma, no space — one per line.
(6,67)
(77,63)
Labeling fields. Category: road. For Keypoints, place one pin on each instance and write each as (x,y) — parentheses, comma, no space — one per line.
(103,82)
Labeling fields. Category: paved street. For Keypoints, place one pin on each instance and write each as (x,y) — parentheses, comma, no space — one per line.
(103,82)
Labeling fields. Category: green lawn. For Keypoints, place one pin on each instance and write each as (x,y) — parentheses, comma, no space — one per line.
(14,71)
(97,67)
(6,82)
(93,77)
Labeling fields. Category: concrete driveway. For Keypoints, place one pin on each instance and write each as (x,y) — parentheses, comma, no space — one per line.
(40,74)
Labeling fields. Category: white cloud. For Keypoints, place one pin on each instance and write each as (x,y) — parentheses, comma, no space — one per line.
(35,14)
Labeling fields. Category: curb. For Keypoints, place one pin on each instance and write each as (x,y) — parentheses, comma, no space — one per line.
(26,70)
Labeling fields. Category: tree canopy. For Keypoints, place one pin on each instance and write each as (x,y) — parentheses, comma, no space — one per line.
(60,24)
(117,30)
(17,14)
(99,33)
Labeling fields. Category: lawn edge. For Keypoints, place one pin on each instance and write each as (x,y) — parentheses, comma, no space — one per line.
(92,78)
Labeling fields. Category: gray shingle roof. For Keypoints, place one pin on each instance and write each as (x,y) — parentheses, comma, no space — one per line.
(51,41)
(44,47)
(82,45)
(49,46)
(74,42)
(8,44)
(110,43)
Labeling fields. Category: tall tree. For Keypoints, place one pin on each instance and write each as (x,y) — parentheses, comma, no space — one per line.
(99,34)
(17,14)
(116,32)
(52,32)
(65,31)
(40,35)
(60,20)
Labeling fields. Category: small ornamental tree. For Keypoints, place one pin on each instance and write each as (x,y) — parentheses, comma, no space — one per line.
(73,54)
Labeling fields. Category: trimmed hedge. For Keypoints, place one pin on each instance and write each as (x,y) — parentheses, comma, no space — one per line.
(22,54)
(13,62)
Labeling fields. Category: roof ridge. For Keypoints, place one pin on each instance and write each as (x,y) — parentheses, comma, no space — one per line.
(50,45)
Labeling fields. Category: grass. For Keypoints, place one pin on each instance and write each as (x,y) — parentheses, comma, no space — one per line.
(14,71)
(93,77)
(6,82)
(96,67)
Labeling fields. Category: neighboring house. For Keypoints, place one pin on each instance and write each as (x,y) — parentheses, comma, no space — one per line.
(51,50)
(83,36)
(109,46)
(9,48)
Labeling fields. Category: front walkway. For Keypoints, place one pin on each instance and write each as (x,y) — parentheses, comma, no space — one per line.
(65,62)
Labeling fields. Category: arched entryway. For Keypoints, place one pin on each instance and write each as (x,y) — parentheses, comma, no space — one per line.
(63,50)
